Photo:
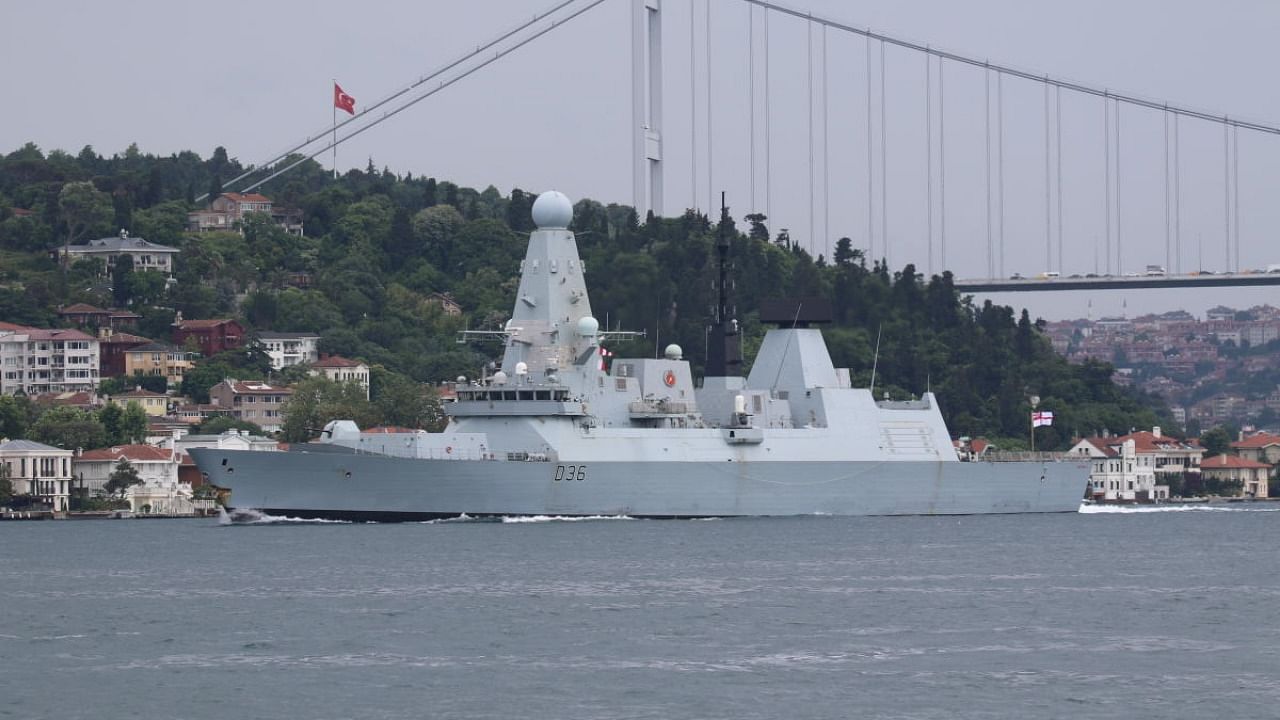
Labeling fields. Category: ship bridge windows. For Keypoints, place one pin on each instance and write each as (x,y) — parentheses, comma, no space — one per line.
(507,395)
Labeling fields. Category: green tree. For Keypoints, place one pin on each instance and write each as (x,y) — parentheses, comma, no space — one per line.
(1216,442)
(121,277)
(6,485)
(15,416)
(219,424)
(122,478)
(316,401)
(69,428)
(84,208)
(402,401)
(110,416)
(133,424)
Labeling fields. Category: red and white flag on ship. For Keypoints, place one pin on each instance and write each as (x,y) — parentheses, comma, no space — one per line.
(343,101)
(604,358)
(1041,418)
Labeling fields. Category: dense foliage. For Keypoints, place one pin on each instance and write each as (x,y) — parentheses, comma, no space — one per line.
(378,246)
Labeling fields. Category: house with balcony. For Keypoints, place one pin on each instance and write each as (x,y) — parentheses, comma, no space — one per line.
(160,491)
(1251,475)
(145,255)
(229,209)
(38,470)
(1261,448)
(255,401)
(158,359)
(288,349)
(1118,473)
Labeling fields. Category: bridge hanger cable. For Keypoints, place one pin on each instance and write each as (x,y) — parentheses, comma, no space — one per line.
(1014,72)
(424,79)
(693,107)
(498,55)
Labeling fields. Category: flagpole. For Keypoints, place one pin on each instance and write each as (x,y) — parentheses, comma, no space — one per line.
(336,131)
(1035,401)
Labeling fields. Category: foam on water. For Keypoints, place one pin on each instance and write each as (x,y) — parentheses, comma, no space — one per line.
(1129,509)
(562,518)
(254,517)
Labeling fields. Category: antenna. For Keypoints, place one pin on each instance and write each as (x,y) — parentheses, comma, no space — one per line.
(876,361)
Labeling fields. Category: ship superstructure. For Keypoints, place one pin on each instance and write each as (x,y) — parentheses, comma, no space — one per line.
(558,431)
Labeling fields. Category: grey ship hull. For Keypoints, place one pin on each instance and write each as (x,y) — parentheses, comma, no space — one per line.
(354,486)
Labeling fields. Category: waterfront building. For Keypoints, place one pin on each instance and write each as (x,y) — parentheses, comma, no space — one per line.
(1119,473)
(1252,475)
(38,470)
(160,491)
(229,440)
(1262,448)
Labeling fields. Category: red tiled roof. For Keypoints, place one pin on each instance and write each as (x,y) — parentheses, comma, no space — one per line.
(120,338)
(59,334)
(1219,462)
(335,361)
(201,324)
(132,453)
(80,308)
(75,399)
(1254,442)
(15,328)
(140,393)
(251,197)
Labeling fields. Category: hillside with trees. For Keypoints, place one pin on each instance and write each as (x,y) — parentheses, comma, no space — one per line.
(379,246)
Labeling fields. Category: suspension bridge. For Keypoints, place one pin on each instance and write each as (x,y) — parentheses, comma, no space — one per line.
(915,153)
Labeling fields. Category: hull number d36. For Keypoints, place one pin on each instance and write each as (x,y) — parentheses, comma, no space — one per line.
(568,473)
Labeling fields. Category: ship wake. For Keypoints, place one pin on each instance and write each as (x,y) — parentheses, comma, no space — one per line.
(248,516)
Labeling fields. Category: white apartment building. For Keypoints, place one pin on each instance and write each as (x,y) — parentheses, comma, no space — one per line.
(35,360)
(39,470)
(286,349)
(228,440)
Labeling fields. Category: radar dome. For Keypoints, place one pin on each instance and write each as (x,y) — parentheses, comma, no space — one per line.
(499,378)
(552,209)
(674,352)
(587,326)
(522,368)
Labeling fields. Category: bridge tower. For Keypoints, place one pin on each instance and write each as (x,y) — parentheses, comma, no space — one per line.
(646,106)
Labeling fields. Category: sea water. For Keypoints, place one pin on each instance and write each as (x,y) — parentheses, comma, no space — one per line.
(1172,614)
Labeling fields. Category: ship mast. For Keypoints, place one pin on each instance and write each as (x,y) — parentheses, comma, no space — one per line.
(724,355)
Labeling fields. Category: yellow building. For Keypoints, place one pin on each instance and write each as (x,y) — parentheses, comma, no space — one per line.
(157,359)
(155,404)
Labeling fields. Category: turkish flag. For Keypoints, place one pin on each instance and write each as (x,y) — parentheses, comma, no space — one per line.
(343,101)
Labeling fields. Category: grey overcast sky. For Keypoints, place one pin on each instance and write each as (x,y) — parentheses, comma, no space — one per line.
(555,114)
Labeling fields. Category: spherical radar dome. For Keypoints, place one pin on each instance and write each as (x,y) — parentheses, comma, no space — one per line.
(552,209)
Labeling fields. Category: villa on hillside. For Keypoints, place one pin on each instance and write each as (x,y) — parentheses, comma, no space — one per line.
(228,210)
(146,255)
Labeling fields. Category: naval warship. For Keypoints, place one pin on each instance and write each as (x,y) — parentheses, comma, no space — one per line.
(558,431)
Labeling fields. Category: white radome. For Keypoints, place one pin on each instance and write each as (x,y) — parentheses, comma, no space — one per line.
(587,326)
(674,352)
(552,210)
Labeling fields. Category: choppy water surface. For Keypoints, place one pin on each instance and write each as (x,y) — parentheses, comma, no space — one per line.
(1099,615)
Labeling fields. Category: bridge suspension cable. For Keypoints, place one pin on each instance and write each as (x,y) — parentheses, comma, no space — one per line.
(313,137)
(1023,74)
(498,55)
